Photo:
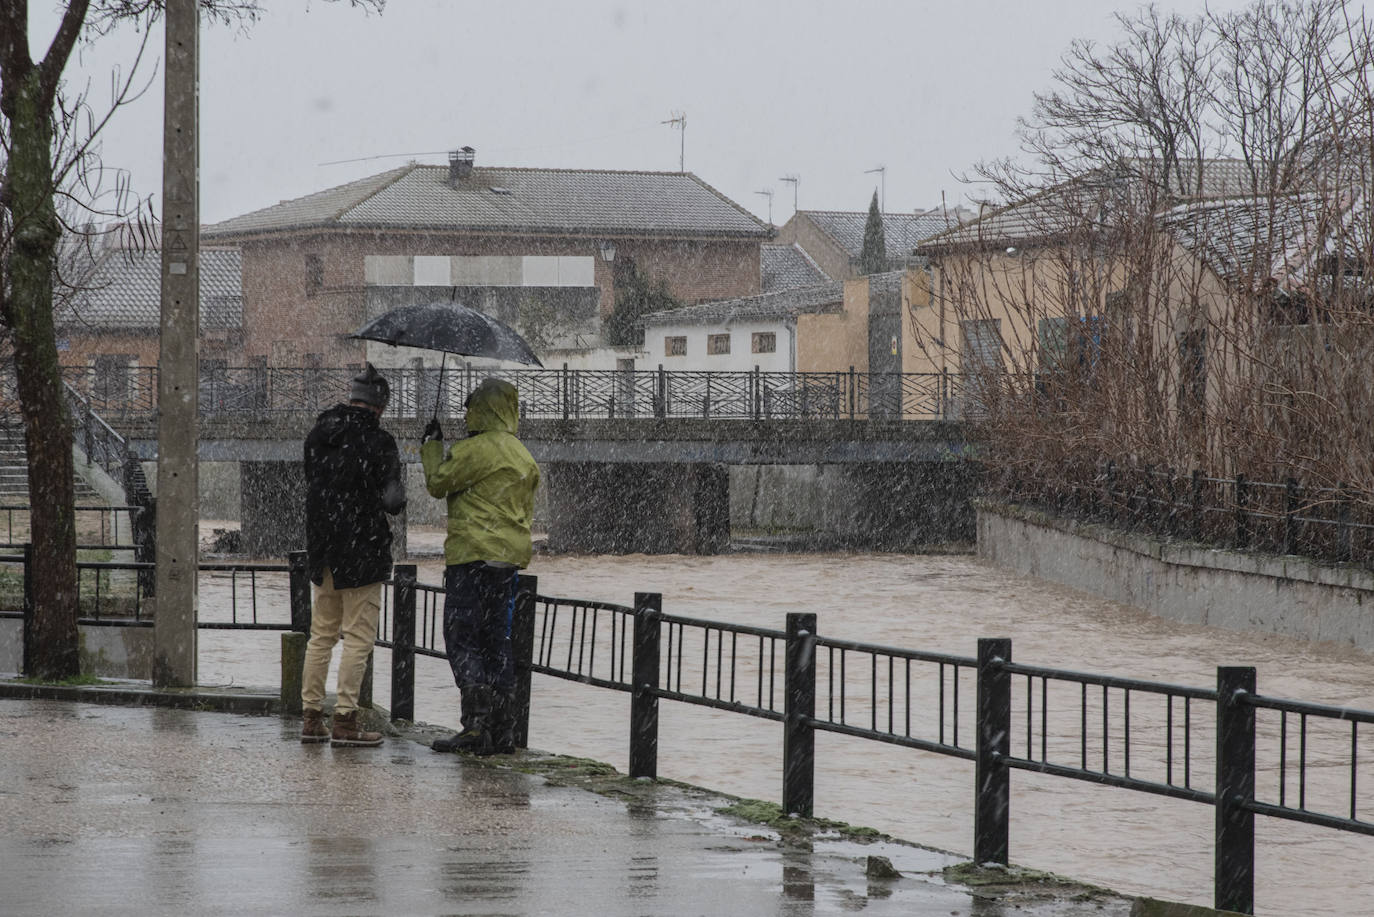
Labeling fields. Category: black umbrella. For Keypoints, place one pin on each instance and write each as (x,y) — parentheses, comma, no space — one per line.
(451,328)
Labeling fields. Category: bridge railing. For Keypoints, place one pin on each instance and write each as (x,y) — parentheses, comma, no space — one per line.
(568,394)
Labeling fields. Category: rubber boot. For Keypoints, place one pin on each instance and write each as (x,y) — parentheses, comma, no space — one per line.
(348,734)
(502,723)
(476,735)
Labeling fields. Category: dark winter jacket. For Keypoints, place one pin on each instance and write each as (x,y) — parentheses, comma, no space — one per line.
(352,478)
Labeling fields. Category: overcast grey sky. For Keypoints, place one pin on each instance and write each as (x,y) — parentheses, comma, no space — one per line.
(822,90)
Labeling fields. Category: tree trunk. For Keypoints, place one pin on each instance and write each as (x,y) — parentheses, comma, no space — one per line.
(47,424)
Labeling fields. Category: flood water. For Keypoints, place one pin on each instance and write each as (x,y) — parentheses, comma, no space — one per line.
(1130,841)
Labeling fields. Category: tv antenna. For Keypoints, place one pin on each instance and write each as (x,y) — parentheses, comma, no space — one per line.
(679,121)
(882,184)
(768,193)
(795,180)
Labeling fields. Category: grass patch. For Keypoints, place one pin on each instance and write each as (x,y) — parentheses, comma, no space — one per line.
(771,814)
(85,679)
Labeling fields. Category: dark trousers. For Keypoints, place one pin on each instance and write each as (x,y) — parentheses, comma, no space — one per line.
(479,602)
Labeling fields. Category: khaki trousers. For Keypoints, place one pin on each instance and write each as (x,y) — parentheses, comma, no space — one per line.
(352,614)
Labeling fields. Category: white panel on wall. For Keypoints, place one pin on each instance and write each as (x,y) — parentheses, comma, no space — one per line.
(486,270)
(387,270)
(433,271)
(576,271)
(540,271)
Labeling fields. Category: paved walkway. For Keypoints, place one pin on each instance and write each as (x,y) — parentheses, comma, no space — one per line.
(149,810)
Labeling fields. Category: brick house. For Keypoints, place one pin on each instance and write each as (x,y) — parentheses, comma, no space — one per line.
(110,327)
(505,240)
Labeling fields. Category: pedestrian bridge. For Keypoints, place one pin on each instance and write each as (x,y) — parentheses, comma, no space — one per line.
(633,460)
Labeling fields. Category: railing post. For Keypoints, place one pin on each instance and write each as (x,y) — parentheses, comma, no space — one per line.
(799,709)
(1290,516)
(564,380)
(853,393)
(522,648)
(1234,872)
(992,797)
(758,394)
(1242,518)
(661,400)
(29,640)
(1345,547)
(706,400)
(86,413)
(300,592)
(1195,498)
(643,692)
(403,643)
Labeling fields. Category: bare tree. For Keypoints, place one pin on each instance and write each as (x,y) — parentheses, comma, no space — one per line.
(51,167)
(1180,280)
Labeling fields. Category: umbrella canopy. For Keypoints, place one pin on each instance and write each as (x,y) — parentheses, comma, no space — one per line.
(449,327)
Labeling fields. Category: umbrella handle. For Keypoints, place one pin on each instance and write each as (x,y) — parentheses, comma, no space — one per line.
(439,389)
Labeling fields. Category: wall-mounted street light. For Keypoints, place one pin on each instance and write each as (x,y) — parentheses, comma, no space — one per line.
(607,248)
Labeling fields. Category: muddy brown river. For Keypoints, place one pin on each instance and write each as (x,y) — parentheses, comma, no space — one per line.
(1129,841)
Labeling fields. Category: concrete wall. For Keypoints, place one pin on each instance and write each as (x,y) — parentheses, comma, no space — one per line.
(631,508)
(110,652)
(884,506)
(1288,595)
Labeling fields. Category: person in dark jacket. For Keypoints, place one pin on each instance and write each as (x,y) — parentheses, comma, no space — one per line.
(353,480)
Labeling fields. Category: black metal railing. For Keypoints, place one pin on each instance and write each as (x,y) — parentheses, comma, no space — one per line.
(567,394)
(1203,745)
(1334,524)
(109,527)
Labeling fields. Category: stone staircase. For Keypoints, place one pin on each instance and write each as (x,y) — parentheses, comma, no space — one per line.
(14,469)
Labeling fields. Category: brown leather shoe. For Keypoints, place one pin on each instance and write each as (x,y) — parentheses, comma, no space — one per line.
(347,733)
(313,728)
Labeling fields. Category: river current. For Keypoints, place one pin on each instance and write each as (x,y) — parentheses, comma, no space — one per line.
(1129,841)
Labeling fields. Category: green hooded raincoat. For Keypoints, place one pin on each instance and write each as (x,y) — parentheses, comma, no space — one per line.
(488,479)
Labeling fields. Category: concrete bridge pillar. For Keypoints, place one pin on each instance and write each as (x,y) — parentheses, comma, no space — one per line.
(902,505)
(638,507)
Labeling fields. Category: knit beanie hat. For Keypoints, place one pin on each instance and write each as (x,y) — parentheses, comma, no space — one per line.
(370,387)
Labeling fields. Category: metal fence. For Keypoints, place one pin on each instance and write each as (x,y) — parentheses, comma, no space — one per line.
(547,393)
(1228,747)
(1333,524)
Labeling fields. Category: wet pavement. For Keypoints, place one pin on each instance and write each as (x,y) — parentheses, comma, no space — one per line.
(147,810)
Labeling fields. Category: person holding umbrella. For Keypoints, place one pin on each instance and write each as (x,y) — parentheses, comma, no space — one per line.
(488,480)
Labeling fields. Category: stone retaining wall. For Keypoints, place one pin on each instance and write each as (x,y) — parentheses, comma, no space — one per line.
(1265,593)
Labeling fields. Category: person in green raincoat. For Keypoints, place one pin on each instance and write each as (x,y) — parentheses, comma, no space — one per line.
(488,481)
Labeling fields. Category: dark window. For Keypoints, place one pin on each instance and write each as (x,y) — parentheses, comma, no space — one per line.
(765,342)
(314,274)
(717,343)
(675,346)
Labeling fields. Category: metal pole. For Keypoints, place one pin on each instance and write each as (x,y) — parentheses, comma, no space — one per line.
(643,692)
(992,798)
(522,647)
(299,586)
(403,643)
(1234,873)
(799,709)
(174,661)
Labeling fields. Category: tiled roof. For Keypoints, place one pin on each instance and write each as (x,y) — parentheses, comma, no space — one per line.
(1078,203)
(901,231)
(1254,240)
(562,201)
(821,297)
(786,267)
(124,291)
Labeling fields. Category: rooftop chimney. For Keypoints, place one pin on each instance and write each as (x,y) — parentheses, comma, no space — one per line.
(460,164)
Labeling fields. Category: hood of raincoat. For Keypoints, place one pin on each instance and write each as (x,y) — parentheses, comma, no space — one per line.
(493,405)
